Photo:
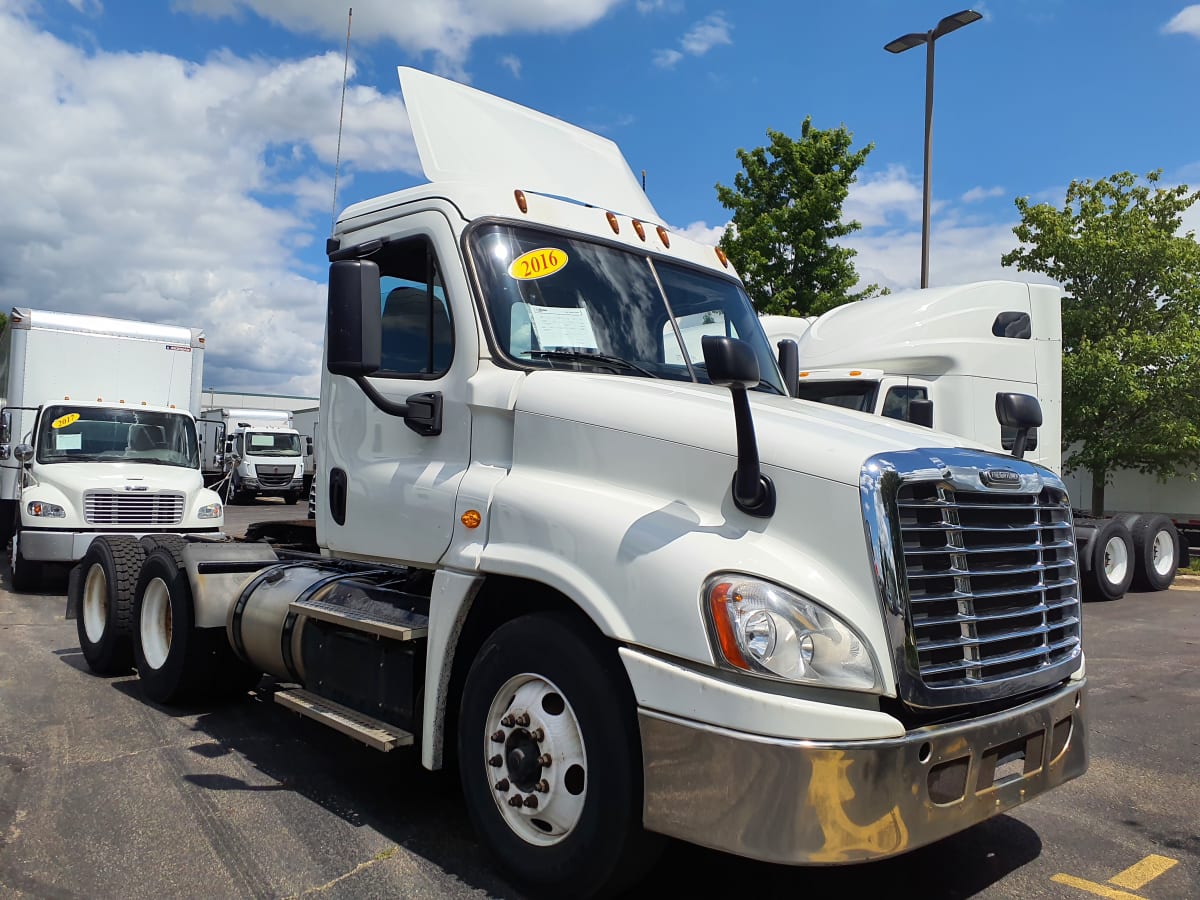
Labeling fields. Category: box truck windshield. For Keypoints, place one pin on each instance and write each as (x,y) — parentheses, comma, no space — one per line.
(90,434)
(260,443)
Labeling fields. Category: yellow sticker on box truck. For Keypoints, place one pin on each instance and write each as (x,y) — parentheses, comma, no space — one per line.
(64,421)
(537,263)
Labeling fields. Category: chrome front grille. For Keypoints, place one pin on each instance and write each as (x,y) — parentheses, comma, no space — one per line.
(974,558)
(132,508)
(992,591)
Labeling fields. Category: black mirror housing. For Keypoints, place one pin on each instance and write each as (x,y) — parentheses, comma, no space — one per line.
(1018,410)
(730,362)
(920,411)
(354,325)
(789,365)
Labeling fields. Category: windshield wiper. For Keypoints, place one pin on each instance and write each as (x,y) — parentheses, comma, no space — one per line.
(601,359)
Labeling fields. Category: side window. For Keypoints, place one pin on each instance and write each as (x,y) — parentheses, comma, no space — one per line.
(1013,325)
(897,399)
(417,338)
(693,327)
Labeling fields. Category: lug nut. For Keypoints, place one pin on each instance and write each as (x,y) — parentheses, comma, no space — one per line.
(538,735)
(496,761)
(515,800)
(498,737)
(542,786)
(543,760)
(508,721)
(531,802)
(502,785)
(523,720)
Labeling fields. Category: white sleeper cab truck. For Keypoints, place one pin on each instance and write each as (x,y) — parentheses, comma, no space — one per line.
(97,435)
(255,453)
(951,358)
(627,590)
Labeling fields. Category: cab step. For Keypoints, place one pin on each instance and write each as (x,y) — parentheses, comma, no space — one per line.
(395,623)
(372,732)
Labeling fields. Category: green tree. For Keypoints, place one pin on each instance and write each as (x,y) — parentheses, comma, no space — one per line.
(787,213)
(1131,322)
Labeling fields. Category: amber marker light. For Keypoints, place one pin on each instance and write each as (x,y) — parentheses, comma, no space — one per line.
(722,257)
(803,374)
(641,232)
(720,598)
(663,236)
(471,518)
(522,203)
(613,223)
(855,372)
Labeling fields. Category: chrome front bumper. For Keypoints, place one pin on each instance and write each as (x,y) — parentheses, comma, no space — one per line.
(811,802)
(69,546)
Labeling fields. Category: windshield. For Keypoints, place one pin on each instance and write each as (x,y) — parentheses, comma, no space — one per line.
(859,395)
(272,443)
(567,303)
(82,434)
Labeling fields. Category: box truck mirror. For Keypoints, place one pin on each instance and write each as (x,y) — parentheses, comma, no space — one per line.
(1019,411)
(23,452)
(354,330)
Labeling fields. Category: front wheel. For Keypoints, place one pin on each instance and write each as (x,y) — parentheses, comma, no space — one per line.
(103,598)
(550,759)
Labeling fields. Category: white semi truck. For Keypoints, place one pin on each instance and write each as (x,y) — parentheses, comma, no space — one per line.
(627,590)
(97,435)
(253,453)
(941,356)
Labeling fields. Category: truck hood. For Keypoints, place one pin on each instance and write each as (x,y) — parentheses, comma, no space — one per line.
(76,478)
(796,435)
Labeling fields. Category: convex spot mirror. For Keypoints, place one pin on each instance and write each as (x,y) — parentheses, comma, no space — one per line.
(23,452)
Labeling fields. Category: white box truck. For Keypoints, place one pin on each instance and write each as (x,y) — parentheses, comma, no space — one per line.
(948,353)
(253,453)
(97,435)
(628,590)
(306,422)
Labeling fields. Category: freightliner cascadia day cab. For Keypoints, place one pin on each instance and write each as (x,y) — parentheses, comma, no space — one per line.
(97,435)
(254,453)
(954,350)
(626,590)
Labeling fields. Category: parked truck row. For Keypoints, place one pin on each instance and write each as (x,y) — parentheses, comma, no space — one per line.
(575,539)
(255,453)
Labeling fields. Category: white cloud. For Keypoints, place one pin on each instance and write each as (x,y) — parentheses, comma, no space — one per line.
(1186,21)
(702,232)
(445,28)
(876,199)
(645,7)
(709,32)
(148,187)
(957,254)
(975,194)
(512,63)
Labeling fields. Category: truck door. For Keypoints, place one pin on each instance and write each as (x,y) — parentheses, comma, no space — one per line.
(388,492)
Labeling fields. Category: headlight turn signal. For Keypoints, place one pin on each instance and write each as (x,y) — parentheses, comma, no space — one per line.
(46,510)
(212,511)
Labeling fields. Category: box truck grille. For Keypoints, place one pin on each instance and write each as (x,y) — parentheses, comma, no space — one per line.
(275,476)
(991,582)
(134,508)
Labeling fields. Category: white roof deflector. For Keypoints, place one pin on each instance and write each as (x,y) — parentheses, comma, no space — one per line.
(463,134)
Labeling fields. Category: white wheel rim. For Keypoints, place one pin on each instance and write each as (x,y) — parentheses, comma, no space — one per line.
(530,715)
(154,625)
(95,603)
(1164,553)
(1116,560)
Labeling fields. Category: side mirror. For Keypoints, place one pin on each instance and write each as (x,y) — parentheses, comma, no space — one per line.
(5,426)
(229,446)
(353,325)
(731,363)
(920,411)
(1019,411)
(23,453)
(308,448)
(789,365)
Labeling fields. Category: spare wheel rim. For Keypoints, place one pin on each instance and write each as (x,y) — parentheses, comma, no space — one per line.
(155,623)
(95,603)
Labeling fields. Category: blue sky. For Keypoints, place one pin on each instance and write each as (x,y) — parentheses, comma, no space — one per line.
(174,161)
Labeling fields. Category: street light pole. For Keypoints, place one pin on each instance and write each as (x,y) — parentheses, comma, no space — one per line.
(907,42)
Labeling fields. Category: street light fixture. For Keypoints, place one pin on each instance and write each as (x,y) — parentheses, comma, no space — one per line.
(907,42)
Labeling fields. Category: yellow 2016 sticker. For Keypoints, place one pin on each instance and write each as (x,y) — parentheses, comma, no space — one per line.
(537,263)
(64,421)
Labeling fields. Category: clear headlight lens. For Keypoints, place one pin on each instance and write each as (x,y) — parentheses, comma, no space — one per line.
(46,510)
(761,628)
(212,511)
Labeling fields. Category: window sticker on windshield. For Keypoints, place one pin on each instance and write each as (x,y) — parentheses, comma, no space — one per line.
(558,328)
(537,263)
(64,421)
(68,442)
(262,440)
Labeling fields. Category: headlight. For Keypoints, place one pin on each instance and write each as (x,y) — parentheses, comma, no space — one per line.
(212,511)
(46,510)
(761,628)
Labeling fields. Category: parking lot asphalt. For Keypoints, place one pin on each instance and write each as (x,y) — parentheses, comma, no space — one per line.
(105,794)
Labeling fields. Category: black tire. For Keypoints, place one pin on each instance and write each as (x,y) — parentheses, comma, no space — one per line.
(291,497)
(177,661)
(1111,561)
(603,848)
(102,596)
(26,574)
(1156,549)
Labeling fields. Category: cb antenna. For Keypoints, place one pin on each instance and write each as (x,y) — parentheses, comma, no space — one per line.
(341,116)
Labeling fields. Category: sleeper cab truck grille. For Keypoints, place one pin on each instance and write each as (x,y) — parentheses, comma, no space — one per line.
(118,508)
(980,579)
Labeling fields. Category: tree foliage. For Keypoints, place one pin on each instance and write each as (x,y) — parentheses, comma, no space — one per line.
(787,213)
(1131,322)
